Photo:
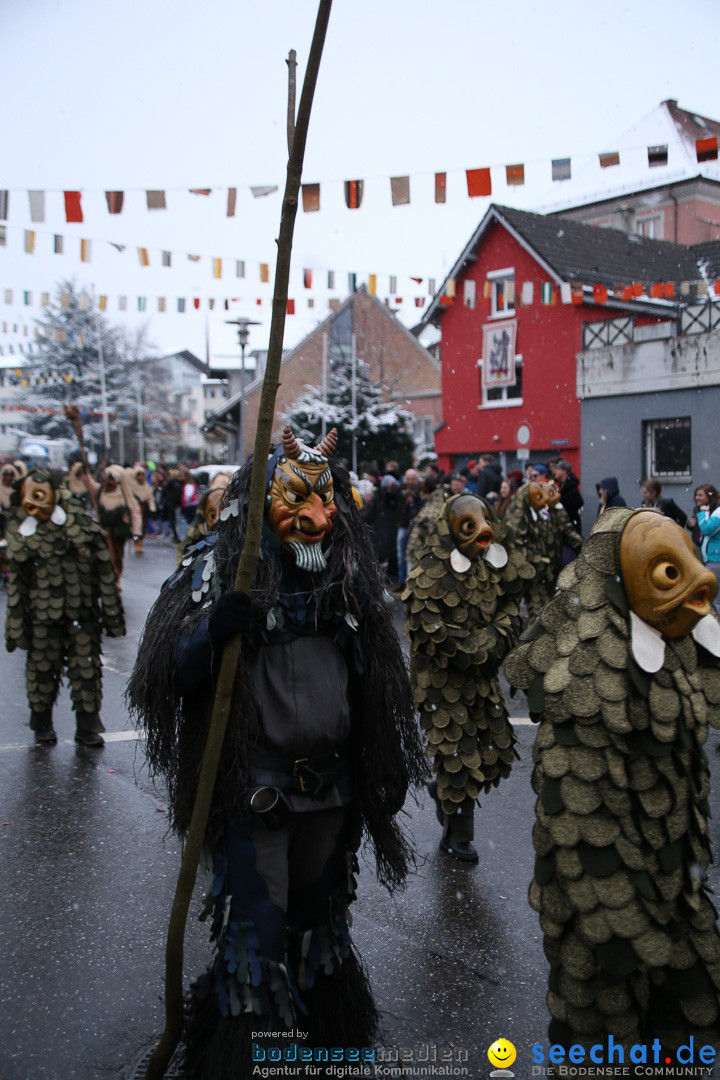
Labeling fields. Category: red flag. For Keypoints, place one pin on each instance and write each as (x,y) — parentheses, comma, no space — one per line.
(73,209)
(478,182)
(196,302)
(707,149)
(637,288)
(656,289)
(291,307)
(515,174)
(353,194)
(600,294)
(440,186)
(668,289)
(307,279)
(716,288)
(445,300)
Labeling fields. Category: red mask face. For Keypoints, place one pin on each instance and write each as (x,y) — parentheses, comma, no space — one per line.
(301,508)
(38,499)
(471,530)
(666,585)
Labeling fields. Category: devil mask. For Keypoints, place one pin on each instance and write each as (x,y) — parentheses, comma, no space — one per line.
(300,500)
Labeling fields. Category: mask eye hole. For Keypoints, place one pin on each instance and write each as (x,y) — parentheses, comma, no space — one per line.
(665,575)
(294,498)
(467,526)
(327,496)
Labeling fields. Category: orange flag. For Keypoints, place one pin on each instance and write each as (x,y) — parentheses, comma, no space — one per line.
(478,182)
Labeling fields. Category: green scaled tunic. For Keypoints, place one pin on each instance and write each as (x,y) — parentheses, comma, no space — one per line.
(536,535)
(460,626)
(62,594)
(621,834)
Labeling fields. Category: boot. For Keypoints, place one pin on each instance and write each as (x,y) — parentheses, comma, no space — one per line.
(42,726)
(88,728)
(458,836)
(138,545)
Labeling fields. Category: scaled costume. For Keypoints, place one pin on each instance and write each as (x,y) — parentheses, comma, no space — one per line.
(622,671)
(462,615)
(532,531)
(62,595)
(320,750)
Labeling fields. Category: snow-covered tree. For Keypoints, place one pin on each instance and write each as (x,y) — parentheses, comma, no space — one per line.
(382,429)
(66,369)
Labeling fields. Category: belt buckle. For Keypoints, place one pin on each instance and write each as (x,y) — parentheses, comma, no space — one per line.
(298,766)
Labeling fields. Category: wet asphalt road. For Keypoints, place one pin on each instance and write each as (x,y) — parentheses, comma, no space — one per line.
(88,872)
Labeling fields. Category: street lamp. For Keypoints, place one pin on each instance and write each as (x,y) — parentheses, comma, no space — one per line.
(243,333)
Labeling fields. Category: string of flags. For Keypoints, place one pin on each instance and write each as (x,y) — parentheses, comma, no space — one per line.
(96,413)
(478,181)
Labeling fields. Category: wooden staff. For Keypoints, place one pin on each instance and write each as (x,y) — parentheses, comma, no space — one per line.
(72,413)
(245,572)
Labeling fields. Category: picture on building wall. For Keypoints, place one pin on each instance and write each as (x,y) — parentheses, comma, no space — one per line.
(499,353)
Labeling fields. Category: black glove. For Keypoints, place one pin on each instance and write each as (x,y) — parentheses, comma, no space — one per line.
(233,613)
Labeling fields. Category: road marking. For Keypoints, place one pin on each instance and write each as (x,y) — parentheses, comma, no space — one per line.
(108,736)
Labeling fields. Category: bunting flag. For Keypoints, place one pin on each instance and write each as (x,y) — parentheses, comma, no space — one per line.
(194,258)
(449,288)
(547,295)
(400,190)
(114,201)
(85,251)
(469,293)
(199,190)
(307,279)
(73,207)
(372,284)
(217,268)
(352,282)
(291,307)
(259,191)
(527,293)
(143,256)
(392,284)
(707,149)
(231,201)
(37,206)
(478,182)
(561,169)
(600,294)
(353,194)
(122,303)
(264,271)
(196,303)
(609,159)
(240,268)
(440,187)
(166,258)
(657,155)
(331,280)
(155,200)
(29,241)
(565,292)
(4,204)
(515,174)
(311,198)
(103,303)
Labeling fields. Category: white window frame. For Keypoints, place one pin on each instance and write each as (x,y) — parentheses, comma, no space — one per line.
(503,402)
(654,221)
(494,276)
(650,427)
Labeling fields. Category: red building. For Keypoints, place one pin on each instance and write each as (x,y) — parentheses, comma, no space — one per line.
(513,316)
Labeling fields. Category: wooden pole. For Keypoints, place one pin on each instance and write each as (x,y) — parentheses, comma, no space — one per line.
(245,572)
(72,413)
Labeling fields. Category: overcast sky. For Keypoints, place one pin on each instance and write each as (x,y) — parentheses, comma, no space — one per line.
(172,95)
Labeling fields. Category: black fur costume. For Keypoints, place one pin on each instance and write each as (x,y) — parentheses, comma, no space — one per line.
(386,758)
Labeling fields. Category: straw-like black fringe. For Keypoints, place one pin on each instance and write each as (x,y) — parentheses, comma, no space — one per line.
(341,1013)
(387,749)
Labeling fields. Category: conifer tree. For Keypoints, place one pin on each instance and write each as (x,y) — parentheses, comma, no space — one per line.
(383,430)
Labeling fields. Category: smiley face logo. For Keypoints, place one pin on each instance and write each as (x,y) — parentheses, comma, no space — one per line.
(502,1053)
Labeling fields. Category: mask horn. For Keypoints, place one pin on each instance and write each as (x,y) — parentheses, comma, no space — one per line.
(328,444)
(290,445)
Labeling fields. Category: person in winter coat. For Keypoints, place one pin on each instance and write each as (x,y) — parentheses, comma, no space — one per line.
(114,501)
(699,497)
(653,497)
(489,478)
(570,496)
(143,504)
(609,493)
(708,519)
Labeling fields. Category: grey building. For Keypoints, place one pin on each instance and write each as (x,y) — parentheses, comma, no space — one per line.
(649,405)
